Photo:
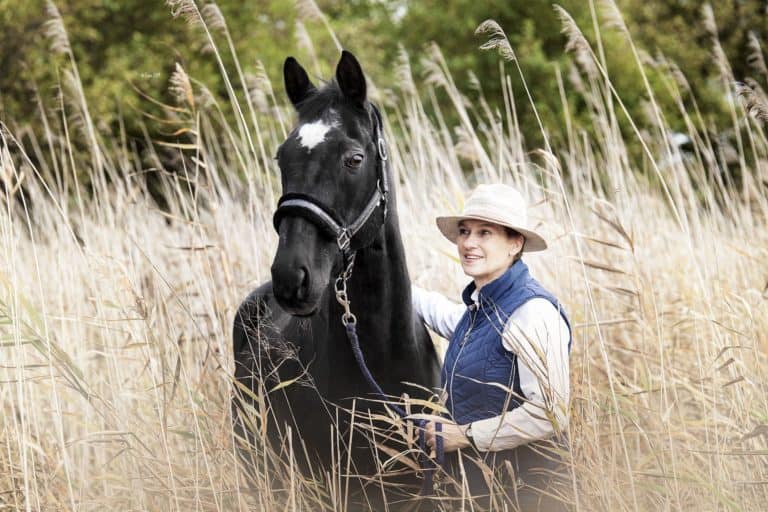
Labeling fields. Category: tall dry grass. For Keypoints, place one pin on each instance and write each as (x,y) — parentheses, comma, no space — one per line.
(115,313)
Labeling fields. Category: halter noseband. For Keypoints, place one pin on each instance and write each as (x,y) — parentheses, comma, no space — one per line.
(327,220)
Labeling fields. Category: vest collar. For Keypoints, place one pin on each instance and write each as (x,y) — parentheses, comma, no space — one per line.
(494,290)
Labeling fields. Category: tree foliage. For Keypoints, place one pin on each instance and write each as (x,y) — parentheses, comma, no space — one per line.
(127,50)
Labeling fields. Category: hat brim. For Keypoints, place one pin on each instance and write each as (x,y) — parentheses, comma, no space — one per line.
(449,227)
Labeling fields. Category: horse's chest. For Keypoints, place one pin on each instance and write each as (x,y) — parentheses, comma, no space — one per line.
(323,362)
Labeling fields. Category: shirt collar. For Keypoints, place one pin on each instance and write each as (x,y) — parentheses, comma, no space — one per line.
(509,279)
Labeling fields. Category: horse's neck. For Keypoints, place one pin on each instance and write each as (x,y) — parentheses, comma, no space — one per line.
(380,288)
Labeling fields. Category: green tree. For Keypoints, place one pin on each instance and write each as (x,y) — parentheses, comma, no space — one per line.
(125,46)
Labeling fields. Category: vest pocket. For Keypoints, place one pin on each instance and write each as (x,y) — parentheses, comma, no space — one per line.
(501,394)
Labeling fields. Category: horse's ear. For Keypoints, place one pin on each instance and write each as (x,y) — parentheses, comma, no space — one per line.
(350,77)
(297,83)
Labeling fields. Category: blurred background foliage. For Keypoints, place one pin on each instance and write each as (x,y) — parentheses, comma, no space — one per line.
(127,50)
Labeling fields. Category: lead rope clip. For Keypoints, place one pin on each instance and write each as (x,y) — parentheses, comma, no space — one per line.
(340,286)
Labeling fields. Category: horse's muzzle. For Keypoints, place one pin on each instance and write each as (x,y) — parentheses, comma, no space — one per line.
(291,286)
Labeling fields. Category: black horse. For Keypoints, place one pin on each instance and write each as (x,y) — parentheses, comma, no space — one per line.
(337,214)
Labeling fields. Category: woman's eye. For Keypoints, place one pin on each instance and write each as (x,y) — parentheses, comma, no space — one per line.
(463,231)
(354,161)
(485,232)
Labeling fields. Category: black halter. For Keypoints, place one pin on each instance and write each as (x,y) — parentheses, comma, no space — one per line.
(328,221)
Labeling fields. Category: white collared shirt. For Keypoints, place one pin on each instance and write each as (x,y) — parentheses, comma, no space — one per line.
(537,333)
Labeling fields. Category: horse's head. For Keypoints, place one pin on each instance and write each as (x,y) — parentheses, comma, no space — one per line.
(334,183)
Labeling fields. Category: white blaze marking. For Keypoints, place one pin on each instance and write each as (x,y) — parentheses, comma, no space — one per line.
(312,134)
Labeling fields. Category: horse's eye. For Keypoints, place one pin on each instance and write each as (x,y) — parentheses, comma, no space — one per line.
(354,161)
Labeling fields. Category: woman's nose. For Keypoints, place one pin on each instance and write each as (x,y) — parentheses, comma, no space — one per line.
(469,241)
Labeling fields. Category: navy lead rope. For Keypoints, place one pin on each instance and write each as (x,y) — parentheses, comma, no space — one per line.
(350,324)
(427,464)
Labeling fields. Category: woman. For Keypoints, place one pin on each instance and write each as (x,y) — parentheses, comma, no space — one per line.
(505,373)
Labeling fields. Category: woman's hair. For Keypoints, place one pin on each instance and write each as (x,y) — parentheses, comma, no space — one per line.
(511,233)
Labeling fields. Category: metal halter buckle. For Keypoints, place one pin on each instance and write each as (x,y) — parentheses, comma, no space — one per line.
(343,240)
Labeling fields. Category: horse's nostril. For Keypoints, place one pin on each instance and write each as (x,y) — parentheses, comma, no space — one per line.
(291,284)
(302,292)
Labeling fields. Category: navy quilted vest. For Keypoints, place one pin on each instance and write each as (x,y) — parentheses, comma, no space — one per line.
(476,357)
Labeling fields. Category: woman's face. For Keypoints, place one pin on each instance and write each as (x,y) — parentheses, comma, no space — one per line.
(486,250)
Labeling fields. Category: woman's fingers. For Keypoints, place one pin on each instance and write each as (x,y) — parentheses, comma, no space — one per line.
(430,434)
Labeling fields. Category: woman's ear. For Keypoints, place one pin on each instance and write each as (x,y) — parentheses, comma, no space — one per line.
(516,244)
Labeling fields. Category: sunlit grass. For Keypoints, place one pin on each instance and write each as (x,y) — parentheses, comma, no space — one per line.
(116,314)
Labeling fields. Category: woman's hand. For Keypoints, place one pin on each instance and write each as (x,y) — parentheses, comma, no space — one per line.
(453,435)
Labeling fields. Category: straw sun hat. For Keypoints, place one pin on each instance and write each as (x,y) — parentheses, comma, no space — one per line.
(500,204)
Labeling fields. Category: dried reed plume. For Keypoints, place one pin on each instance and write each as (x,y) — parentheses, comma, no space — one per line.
(55,30)
(576,42)
(213,17)
(434,73)
(185,9)
(181,88)
(262,79)
(259,87)
(675,72)
(304,40)
(613,16)
(721,60)
(256,94)
(708,18)
(403,72)
(756,59)
(498,39)
(753,98)
(309,10)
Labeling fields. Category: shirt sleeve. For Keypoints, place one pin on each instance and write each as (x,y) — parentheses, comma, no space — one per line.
(537,333)
(440,314)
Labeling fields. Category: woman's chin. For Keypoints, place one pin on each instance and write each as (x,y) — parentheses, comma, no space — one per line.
(471,270)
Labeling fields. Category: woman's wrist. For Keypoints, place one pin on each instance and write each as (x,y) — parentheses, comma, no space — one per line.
(467,430)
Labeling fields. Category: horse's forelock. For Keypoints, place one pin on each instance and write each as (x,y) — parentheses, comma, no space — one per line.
(328,98)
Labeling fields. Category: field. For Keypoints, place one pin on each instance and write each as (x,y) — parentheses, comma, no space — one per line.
(116,307)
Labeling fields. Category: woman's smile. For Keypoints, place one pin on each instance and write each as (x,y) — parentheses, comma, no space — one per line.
(470,259)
